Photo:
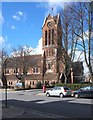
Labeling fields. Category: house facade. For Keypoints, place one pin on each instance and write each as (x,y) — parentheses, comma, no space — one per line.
(46,67)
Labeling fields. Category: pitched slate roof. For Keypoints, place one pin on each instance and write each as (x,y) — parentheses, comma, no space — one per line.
(27,77)
(30,61)
(11,77)
(34,77)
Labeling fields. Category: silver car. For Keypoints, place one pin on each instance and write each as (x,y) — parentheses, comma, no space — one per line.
(59,91)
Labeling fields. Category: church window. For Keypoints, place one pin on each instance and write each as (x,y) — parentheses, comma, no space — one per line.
(52,36)
(35,70)
(49,65)
(33,82)
(45,37)
(7,71)
(49,36)
(11,83)
(14,71)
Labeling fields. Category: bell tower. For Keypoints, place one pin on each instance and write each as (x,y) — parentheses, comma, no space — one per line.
(52,42)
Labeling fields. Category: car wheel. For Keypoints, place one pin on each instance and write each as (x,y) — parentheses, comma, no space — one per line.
(47,94)
(76,95)
(61,95)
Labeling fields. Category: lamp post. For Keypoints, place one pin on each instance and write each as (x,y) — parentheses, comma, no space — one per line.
(4,58)
(5,86)
(6,93)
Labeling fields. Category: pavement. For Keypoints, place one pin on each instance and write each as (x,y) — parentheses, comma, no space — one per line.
(16,112)
(11,112)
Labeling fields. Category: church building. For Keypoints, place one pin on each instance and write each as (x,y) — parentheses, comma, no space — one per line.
(47,67)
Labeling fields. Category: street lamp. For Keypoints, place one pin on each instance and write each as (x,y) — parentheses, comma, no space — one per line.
(5,92)
(5,85)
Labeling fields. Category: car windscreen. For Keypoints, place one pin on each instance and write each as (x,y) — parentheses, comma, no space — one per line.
(65,88)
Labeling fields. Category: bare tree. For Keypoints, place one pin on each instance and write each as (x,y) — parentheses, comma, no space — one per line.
(77,33)
(83,12)
(69,38)
(21,61)
(3,59)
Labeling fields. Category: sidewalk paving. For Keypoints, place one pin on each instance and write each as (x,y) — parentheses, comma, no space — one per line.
(17,112)
(11,112)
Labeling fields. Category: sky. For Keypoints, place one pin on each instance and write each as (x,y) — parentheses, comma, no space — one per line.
(21,23)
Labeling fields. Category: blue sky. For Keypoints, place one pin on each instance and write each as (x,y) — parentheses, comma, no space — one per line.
(22,23)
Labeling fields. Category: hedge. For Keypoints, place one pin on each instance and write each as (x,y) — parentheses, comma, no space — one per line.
(73,86)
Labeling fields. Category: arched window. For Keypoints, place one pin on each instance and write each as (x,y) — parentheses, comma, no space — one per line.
(49,36)
(33,70)
(33,82)
(49,65)
(45,37)
(6,71)
(11,83)
(14,71)
(52,36)
(36,70)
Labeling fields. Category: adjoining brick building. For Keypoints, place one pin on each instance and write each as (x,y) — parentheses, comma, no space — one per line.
(46,67)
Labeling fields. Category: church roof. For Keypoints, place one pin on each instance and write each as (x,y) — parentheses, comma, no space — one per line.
(31,61)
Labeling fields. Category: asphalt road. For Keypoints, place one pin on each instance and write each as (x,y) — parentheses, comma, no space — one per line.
(68,107)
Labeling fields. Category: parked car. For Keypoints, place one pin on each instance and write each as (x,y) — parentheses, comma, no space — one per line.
(85,82)
(84,92)
(59,91)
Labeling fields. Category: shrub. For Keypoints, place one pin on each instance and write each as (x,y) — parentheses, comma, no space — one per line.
(73,86)
(38,85)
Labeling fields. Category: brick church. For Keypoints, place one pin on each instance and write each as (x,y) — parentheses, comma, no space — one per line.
(48,67)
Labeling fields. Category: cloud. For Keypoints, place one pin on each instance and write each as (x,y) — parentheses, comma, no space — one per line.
(30,50)
(53,6)
(13,27)
(4,43)
(1,18)
(18,16)
(2,40)
(20,13)
(38,49)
